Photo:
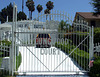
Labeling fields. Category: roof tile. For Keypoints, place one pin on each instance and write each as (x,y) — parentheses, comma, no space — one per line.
(88,15)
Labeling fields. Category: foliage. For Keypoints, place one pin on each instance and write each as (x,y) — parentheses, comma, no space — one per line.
(95,70)
(30,5)
(49,5)
(80,56)
(21,16)
(78,38)
(7,11)
(8,43)
(18,60)
(39,8)
(2,52)
(47,11)
(64,25)
(97,35)
(0,58)
(96,6)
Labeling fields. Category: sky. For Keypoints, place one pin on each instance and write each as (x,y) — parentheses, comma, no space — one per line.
(69,6)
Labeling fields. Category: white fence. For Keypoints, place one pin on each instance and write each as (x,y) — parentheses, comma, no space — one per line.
(4,47)
(4,55)
(97,49)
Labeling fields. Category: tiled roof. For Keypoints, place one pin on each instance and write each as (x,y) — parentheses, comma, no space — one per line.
(88,15)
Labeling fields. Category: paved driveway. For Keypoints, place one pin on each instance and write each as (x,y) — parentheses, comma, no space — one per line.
(46,60)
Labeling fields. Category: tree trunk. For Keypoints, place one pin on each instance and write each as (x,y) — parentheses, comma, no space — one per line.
(31,15)
(38,16)
(50,16)
(46,17)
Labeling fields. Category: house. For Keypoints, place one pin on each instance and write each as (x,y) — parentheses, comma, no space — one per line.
(88,17)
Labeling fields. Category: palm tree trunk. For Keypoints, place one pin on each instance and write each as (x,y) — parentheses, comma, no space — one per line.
(38,16)
(46,17)
(50,16)
(31,15)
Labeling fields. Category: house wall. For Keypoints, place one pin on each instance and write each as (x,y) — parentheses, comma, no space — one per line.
(87,20)
(78,17)
(96,21)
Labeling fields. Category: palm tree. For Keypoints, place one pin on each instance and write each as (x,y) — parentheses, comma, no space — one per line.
(47,11)
(50,6)
(39,9)
(30,5)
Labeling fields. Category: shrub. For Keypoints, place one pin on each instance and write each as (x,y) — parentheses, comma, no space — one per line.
(80,56)
(5,43)
(95,70)
(78,38)
(97,35)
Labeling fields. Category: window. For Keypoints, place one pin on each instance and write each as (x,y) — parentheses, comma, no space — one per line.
(43,36)
(78,17)
(38,26)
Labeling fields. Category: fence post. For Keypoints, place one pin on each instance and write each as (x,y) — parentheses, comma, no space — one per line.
(12,54)
(92,50)
(10,69)
(89,43)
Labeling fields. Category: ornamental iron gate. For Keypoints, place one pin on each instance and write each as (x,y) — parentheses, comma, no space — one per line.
(51,44)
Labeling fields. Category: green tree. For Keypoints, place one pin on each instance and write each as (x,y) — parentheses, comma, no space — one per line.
(7,11)
(21,16)
(63,25)
(96,6)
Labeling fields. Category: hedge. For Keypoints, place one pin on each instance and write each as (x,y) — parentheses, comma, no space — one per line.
(80,56)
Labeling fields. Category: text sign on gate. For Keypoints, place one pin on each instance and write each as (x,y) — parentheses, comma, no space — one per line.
(98,48)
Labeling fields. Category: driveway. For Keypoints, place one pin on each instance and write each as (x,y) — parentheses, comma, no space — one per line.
(46,61)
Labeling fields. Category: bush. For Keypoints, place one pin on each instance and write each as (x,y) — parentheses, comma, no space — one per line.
(5,43)
(18,61)
(78,38)
(80,56)
(95,70)
(97,35)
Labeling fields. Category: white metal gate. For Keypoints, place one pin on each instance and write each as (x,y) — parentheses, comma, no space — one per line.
(69,49)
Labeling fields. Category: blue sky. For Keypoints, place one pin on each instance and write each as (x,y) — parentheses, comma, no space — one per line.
(69,6)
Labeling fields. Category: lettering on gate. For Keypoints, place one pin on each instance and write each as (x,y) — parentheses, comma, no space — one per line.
(49,51)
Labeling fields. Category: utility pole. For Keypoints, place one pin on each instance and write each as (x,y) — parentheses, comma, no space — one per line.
(22,5)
